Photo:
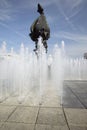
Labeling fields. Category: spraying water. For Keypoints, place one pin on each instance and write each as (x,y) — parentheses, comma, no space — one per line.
(26,74)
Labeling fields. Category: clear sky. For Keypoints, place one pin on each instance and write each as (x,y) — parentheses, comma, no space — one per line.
(67,20)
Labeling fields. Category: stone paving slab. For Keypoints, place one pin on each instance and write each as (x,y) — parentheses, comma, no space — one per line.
(83,98)
(78,127)
(69,99)
(79,90)
(31,101)
(10,101)
(74,95)
(50,127)
(78,87)
(17,101)
(51,116)
(1,123)
(5,112)
(17,126)
(25,115)
(71,84)
(51,93)
(51,102)
(67,92)
(48,115)
(76,116)
(82,95)
(71,102)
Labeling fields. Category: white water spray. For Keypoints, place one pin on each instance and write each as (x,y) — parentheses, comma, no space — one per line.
(24,74)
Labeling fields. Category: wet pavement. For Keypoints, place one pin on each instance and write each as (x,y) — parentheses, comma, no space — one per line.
(54,110)
(75,94)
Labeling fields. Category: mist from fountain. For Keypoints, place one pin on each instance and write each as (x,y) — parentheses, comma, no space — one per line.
(24,73)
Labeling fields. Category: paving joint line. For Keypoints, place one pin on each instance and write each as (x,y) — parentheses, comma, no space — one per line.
(65,118)
(76,95)
(19,122)
(2,125)
(37,117)
(78,98)
(11,114)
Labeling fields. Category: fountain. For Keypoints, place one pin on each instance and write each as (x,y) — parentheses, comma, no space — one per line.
(25,74)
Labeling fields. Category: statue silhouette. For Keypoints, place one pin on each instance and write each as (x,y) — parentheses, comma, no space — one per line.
(40,28)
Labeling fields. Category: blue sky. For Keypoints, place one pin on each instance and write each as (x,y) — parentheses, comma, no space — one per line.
(67,20)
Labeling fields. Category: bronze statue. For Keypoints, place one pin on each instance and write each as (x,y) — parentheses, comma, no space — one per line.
(40,28)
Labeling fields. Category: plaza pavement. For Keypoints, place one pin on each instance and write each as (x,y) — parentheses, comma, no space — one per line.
(52,110)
